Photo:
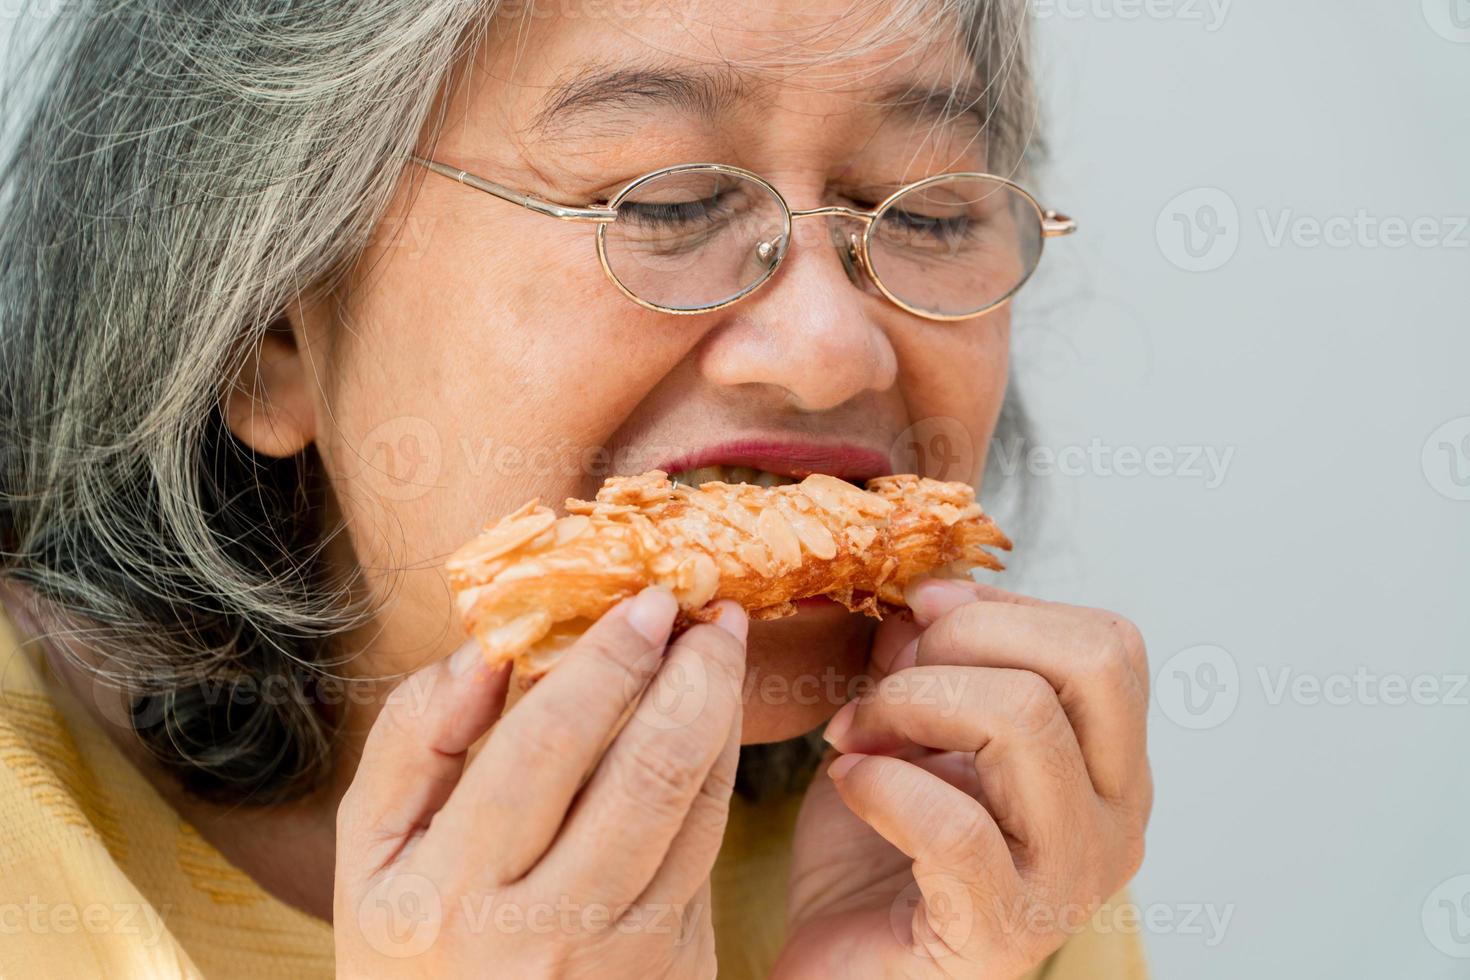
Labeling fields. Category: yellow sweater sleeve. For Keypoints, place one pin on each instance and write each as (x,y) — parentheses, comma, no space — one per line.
(66,908)
(98,874)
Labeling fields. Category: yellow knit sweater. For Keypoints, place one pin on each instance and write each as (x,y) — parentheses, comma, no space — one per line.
(100,877)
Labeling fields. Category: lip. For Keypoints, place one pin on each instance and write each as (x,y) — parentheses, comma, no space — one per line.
(795,459)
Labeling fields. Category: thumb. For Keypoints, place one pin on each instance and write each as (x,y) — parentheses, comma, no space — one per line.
(931,597)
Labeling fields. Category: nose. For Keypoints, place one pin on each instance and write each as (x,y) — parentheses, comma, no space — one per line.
(811,331)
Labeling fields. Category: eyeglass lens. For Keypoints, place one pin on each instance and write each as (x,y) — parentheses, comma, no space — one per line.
(695,239)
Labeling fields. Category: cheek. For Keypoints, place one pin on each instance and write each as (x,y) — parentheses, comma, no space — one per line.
(954,379)
(450,396)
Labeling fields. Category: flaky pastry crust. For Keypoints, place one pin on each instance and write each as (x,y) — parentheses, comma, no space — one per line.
(532,582)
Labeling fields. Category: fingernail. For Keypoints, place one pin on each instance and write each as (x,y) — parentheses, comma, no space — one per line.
(906,657)
(840,723)
(651,612)
(466,658)
(931,598)
(732,619)
(843,764)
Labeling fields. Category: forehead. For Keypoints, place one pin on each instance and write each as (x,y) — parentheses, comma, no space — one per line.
(554,69)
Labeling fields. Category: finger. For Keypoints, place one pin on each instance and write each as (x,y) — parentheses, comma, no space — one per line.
(928,597)
(692,854)
(926,819)
(931,598)
(516,791)
(654,771)
(414,754)
(1026,756)
(1088,660)
(893,635)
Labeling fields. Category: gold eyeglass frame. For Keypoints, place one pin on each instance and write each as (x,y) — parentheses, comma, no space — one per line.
(1053,225)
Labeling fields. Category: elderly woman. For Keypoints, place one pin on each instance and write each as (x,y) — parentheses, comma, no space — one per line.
(298,295)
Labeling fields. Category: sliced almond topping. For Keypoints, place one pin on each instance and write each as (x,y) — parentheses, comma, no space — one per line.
(697,579)
(504,537)
(570,528)
(754,554)
(779,537)
(739,514)
(645,488)
(517,634)
(842,498)
(648,537)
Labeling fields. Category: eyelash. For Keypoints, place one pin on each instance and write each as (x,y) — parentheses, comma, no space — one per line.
(674,212)
(677,213)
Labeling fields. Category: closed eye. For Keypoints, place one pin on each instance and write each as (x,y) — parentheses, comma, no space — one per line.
(674,213)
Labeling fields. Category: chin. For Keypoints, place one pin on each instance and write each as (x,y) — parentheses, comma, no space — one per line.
(801,669)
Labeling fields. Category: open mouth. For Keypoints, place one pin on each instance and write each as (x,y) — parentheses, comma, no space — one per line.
(772,464)
(719,473)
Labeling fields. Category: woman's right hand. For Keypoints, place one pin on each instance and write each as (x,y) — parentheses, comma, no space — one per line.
(558,849)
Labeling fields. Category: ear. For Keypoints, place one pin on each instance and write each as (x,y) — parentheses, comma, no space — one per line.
(269,406)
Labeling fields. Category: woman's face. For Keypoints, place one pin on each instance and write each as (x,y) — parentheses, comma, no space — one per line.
(479,357)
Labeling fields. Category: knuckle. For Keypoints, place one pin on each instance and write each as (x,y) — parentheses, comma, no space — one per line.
(1115,661)
(968,835)
(539,747)
(718,787)
(1137,803)
(609,669)
(947,633)
(663,777)
(708,813)
(1133,852)
(1033,703)
(1128,644)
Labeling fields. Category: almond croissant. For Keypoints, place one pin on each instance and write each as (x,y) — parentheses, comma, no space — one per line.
(532,582)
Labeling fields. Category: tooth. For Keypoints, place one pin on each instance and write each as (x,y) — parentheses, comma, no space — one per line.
(741,474)
(699,475)
(766,479)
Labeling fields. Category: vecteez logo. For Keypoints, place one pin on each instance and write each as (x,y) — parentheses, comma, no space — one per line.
(1450,19)
(1209,14)
(1201,230)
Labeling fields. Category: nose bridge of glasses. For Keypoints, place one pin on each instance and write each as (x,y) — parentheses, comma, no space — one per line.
(845,228)
(842,234)
(834,210)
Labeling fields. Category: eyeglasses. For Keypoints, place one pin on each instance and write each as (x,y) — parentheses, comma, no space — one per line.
(700,236)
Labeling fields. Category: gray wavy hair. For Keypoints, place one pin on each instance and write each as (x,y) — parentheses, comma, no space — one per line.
(177,173)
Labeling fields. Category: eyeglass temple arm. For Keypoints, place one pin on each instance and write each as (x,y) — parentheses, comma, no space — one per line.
(1055,224)
(599,215)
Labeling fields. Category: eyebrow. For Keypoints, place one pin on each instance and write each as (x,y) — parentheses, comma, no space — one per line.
(710,93)
(940,104)
(598,89)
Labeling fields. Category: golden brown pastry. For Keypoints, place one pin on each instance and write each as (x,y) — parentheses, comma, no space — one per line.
(532,582)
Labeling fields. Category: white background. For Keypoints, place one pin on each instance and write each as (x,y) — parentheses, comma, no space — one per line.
(1321,828)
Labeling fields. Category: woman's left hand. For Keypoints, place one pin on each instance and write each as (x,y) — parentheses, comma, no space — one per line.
(987,795)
